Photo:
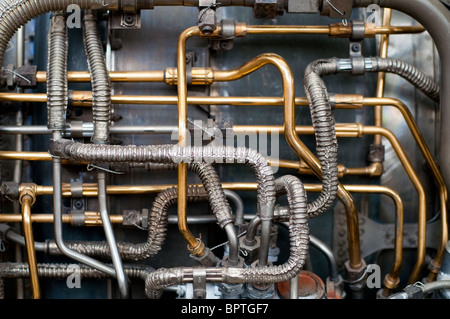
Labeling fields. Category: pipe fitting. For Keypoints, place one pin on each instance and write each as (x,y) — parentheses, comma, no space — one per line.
(27,189)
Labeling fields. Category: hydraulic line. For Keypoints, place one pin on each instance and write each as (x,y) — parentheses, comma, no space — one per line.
(26,201)
(384,43)
(299,242)
(57,94)
(101,84)
(207,174)
(407,71)
(101,118)
(63,271)
(324,128)
(435,17)
(157,228)
(169,154)
(429,88)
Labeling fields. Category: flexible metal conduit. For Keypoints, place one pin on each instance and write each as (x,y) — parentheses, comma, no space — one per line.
(435,17)
(218,201)
(324,128)
(299,240)
(420,81)
(63,271)
(58,97)
(16,13)
(407,71)
(101,114)
(101,84)
(168,154)
(157,228)
(57,94)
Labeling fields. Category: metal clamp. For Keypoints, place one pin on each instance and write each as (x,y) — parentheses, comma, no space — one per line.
(199,282)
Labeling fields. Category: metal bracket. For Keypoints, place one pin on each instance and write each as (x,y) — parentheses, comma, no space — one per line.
(228,33)
(375,236)
(78,204)
(125,19)
(131,218)
(199,282)
(356,40)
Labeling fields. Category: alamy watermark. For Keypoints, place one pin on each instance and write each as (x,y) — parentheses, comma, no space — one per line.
(74,279)
(373,279)
(73,19)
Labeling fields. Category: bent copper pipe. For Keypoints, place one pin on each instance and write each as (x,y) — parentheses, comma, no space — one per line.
(357,130)
(439,180)
(421,241)
(378,113)
(91,190)
(295,143)
(27,201)
(195,245)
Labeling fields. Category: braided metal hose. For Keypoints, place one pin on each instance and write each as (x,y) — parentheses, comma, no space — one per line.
(324,130)
(16,13)
(210,180)
(57,96)
(157,228)
(409,73)
(299,243)
(101,83)
(168,154)
(62,271)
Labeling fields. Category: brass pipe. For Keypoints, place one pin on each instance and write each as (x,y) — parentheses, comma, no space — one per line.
(26,156)
(195,245)
(392,279)
(358,130)
(84,98)
(300,166)
(27,199)
(421,234)
(426,153)
(116,76)
(384,43)
(92,218)
(91,190)
(296,144)
(333,30)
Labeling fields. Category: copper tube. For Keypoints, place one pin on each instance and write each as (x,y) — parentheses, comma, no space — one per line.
(426,153)
(359,130)
(302,167)
(26,201)
(91,190)
(373,169)
(333,30)
(116,76)
(84,99)
(421,234)
(391,279)
(194,245)
(23,97)
(295,143)
(92,218)
(287,29)
(26,156)
(384,43)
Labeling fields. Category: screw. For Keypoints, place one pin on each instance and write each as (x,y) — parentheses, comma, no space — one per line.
(78,204)
(129,19)
(356,47)
(207,29)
